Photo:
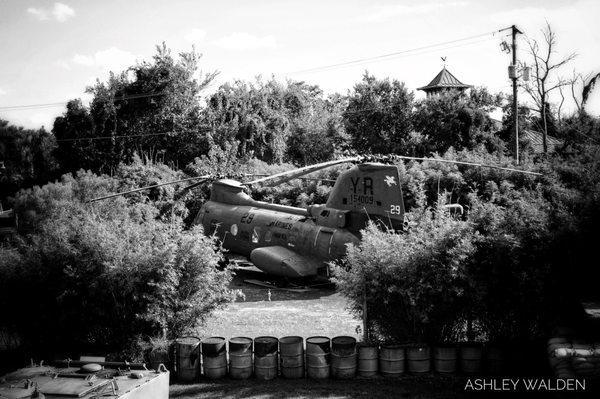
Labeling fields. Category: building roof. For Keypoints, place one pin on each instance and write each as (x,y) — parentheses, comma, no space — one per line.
(444,80)
(537,142)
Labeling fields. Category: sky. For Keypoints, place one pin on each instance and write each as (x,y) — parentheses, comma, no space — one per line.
(50,51)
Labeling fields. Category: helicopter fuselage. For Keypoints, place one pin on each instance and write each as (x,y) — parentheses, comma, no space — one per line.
(295,242)
(279,243)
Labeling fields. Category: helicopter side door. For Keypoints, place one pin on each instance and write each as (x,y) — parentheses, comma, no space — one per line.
(322,243)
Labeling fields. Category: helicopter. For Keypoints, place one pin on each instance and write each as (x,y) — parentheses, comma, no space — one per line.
(292,242)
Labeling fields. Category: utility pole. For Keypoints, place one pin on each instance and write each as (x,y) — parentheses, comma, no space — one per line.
(513,74)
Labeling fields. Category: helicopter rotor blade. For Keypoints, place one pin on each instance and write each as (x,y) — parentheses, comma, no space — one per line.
(282,177)
(184,190)
(481,165)
(299,178)
(203,178)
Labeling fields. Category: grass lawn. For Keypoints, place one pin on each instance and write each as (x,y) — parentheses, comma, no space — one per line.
(320,311)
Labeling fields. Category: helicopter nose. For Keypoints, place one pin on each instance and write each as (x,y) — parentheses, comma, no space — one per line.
(281,261)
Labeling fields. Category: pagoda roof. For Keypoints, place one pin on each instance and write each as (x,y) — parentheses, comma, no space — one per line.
(444,80)
(537,141)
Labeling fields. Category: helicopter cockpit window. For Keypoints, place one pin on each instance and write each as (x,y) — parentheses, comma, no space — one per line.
(268,236)
(255,235)
(324,213)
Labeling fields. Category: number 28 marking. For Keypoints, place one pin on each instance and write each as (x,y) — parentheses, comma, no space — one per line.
(395,209)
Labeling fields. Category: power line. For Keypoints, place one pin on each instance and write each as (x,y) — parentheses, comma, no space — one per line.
(397,54)
(406,55)
(122,136)
(389,55)
(62,103)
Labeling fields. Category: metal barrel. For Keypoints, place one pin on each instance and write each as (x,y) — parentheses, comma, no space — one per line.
(419,359)
(445,359)
(471,358)
(318,353)
(240,357)
(343,357)
(391,360)
(187,358)
(214,357)
(291,355)
(367,360)
(265,357)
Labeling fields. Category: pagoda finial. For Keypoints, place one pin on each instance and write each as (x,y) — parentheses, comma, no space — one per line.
(444,61)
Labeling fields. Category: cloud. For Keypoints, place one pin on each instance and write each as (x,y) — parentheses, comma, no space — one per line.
(86,60)
(63,64)
(245,41)
(111,59)
(380,13)
(2,92)
(60,12)
(195,35)
(39,13)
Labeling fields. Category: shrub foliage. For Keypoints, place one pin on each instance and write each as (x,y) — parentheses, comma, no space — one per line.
(98,275)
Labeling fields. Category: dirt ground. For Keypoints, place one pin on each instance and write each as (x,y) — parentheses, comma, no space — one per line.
(318,311)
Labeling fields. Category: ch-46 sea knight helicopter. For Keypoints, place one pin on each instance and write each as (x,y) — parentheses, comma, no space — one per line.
(296,242)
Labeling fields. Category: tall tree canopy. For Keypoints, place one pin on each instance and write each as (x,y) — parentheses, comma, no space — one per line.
(275,121)
(456,120)
(25,157)
(378,116)
(152,108)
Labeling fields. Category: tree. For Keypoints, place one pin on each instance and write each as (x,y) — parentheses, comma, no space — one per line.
(275,121)
(152,109)
(253,114)
(318,132)
(456,120)
(378,115)
(73,151)
(544,81)
(580,87)
(26,157)
(97,276)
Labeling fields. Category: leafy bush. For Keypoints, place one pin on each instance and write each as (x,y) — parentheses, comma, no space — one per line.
(415,282)
(96,276)
(526,267)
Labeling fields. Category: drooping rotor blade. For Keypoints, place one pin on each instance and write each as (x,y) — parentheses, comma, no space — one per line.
(481,165)
(149,187)
(184,190)
(300,178)
(279,178)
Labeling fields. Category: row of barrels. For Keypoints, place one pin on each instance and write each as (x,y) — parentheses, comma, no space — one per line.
(320,357)
(572,358)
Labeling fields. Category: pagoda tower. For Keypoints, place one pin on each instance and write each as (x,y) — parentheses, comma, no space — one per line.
(444,82)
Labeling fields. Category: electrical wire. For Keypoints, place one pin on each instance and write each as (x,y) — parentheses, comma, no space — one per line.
(389,55)
(402,56)
(131,135)
(60,104)
(397,54)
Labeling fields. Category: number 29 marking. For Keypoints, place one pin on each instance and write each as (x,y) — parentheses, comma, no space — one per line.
(395,209)
(247,218)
